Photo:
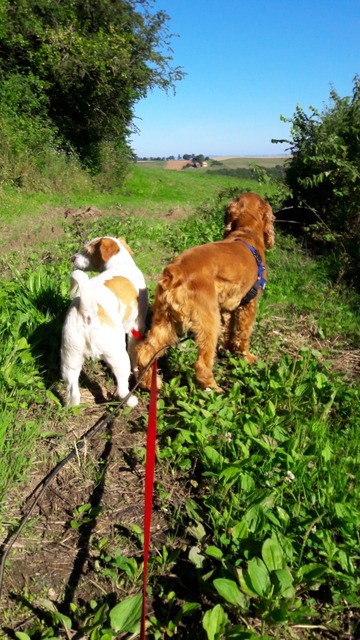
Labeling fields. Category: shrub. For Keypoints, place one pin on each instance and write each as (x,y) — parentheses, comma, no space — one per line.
(323,174)
(31,154)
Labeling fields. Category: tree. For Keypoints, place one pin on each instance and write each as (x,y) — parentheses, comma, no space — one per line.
(92,61)
(323,172)
(199,158)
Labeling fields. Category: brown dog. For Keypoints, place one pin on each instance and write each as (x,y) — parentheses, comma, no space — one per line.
(249,214)
(211,280)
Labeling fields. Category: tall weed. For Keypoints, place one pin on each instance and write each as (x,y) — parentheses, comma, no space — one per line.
(32,307)
(271,513)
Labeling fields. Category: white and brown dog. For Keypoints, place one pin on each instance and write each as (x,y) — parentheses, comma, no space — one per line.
(107,309)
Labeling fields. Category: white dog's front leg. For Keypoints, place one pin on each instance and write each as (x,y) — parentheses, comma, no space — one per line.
(71,377)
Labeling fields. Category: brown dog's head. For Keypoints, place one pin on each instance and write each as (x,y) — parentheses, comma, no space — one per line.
(250,211)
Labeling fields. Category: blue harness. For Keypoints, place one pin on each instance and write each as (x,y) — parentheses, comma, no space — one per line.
(260,282)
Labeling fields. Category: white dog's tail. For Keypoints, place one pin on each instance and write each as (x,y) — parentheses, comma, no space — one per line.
(87,304)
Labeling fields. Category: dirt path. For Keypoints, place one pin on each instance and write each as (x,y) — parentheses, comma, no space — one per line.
(60,552)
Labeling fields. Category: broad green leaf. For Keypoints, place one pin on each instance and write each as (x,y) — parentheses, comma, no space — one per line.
(259,578)
(254,518)
(65,620)
(214,456)
(187,435)
(214,622)
(22,343)
(270,409)
(243,449)
(284,580)
(341,510)
(22,636)
(196,557)
(189,607)
(273,555)
(312,572)
(270,441)
(50,606)
(230,474)
(192,509)
(50,434)
(283,515)
(126,615)
(247,482)
(240,530)
(243,584)
(345,561)
(301,390)
(270,515)
(320,380)
(251,429)
(327,452)
(84,507)
(197,531)
(51,396)
(101,613)
(214,552)
(264,446)
(230,591)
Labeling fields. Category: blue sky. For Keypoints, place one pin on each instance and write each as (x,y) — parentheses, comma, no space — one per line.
(247,63)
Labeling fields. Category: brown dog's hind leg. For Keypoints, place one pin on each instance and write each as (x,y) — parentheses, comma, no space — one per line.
(226,332)
(245,318)
(159,337)
(207,328)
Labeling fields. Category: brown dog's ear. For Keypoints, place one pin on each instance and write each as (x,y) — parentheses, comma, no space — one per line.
(125,244)
(269,231)
(232,211)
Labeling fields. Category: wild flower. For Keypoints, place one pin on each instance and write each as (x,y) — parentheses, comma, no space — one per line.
(289,476)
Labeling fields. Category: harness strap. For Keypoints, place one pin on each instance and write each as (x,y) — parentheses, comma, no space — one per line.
(136,334)
(260,282)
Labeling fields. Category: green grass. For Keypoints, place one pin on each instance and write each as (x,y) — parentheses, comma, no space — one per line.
(148,190)
(268,162)
(258,487)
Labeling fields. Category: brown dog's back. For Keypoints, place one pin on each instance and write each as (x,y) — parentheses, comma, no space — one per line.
(223,261)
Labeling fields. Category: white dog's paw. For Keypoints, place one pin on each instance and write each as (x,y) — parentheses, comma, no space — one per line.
(73,400)
(132,401)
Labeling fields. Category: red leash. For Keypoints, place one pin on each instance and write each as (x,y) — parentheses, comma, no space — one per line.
(149,486)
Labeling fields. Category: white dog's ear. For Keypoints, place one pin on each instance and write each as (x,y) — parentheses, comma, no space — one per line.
(125,244)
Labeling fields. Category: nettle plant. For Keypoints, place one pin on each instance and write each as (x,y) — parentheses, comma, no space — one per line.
(271,517)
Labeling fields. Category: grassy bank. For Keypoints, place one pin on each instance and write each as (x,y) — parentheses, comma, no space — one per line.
(146,187)
(256,508)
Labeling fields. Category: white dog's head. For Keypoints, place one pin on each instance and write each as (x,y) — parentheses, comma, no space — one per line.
(103,253)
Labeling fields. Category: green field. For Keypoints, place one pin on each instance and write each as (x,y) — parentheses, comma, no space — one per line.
(247,161)
(255,529)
